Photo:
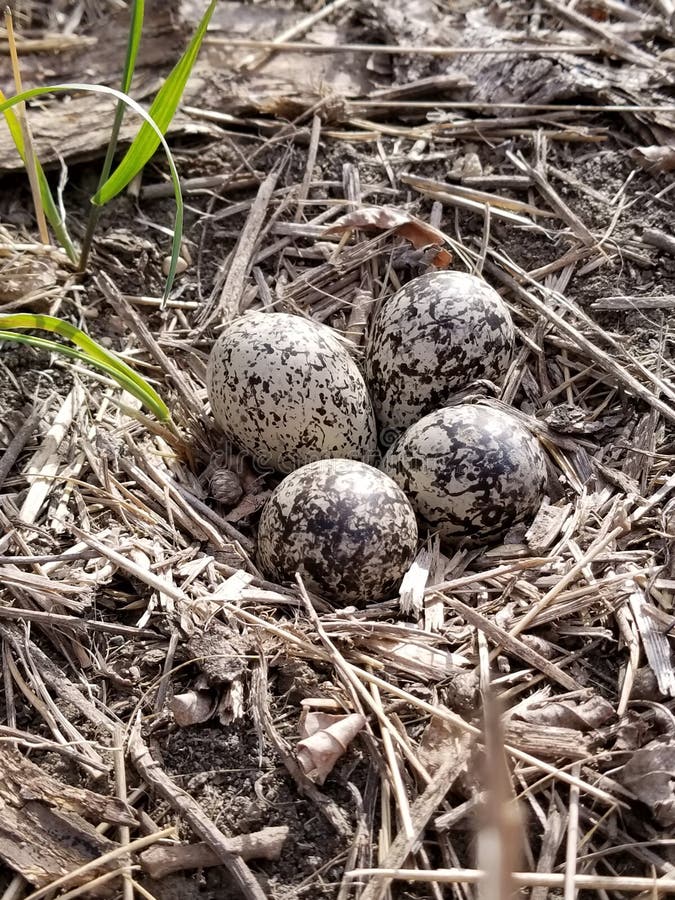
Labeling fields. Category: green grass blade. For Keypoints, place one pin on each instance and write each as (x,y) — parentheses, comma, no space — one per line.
(161,111)
(8,103)
(135,32)
(133,41)
(48,203)
(145,143)
(42,344)
(89,352)
(78,356)
(73,334)
(54,216)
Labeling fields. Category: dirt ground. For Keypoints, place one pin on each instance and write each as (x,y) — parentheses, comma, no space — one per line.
(128,578)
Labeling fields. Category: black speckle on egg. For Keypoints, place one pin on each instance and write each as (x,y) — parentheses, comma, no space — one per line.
(286,391)
(346,527)
(435,336)
(469,471)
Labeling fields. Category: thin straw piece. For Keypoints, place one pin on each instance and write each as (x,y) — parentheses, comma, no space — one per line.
(29,152)
(402,49)
(523,879)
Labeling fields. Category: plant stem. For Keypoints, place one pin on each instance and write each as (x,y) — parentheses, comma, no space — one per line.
(95,211)
(135,31)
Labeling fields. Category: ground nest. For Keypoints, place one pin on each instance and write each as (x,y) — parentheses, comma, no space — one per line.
(508,719)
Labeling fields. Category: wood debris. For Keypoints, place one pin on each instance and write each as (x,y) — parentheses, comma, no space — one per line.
(45,830)
(151,675)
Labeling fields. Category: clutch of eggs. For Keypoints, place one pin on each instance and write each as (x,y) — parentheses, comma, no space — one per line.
(347,528)
(287,392)
(470,471)
(432,338)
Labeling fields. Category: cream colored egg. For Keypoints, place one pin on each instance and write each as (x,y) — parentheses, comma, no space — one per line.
(286,391)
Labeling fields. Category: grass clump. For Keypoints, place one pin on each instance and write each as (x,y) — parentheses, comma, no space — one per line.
(111,183)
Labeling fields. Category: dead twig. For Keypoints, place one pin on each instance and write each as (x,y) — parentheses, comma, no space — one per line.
(162,860)
(421,812)
(241,258)
(18,442)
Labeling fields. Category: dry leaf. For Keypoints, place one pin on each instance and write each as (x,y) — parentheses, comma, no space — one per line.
(650,775)
(20,278)
(383,218)
(325,739)
(645,685)
(654,159)
(594,11)
(632,728)
(192,708)
(566,713)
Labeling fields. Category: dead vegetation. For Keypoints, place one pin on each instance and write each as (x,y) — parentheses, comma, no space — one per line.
(166,709)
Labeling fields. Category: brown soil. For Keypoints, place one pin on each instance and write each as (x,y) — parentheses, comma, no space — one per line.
(610,448)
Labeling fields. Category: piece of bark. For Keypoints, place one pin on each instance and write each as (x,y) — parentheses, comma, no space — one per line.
(100,53)
(55,678)
(161,860)
(22,781)
(78,144)
(221,652)
(43,832)
(43,843)
(548,741)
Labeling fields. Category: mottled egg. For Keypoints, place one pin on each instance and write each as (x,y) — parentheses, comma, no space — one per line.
(347,528)
(434,337)
(285,390)
(469,471)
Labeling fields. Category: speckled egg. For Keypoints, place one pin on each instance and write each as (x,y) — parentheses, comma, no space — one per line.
(469,471)
(432,338)
(347,528)
(285,390)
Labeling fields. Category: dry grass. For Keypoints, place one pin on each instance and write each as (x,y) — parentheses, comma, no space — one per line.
(110,534)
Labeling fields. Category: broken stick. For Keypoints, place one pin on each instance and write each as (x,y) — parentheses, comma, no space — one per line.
(163,859)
